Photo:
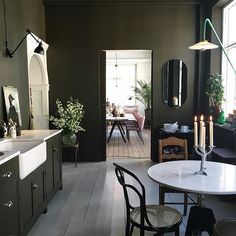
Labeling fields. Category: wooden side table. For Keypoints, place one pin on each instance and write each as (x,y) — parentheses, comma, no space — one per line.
(75,148)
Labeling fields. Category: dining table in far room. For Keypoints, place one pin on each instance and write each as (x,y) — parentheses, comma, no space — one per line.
(118,121)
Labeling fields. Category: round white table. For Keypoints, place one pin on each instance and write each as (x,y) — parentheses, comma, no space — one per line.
(180,175)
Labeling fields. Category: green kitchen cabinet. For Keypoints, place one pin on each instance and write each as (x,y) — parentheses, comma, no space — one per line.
(32,198)
(53,166)
(9,219)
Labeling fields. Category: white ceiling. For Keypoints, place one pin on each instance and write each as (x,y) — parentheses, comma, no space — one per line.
(128,54)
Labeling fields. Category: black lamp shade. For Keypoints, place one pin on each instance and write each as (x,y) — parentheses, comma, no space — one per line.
(39,49)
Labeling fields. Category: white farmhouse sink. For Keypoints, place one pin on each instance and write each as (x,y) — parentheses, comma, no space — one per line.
(32,154)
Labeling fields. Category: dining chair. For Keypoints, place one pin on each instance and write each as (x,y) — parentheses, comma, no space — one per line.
(156,218)
(136,125)
(172,148)
(225,227)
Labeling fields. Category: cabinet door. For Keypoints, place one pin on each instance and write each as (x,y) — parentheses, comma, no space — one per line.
(9,210)
(37,188)
(49,167)
(56,160)
(26,211)
(32,198)
(53,165)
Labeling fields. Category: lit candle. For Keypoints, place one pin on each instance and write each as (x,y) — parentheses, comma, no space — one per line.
(195,131)
(211,131)
(201,131)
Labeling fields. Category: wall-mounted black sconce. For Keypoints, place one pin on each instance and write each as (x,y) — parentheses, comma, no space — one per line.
(39,49)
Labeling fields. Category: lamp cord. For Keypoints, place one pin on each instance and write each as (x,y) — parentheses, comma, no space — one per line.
(5,21)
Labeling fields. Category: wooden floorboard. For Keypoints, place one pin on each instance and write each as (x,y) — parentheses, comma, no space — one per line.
(116,147)
(91,202)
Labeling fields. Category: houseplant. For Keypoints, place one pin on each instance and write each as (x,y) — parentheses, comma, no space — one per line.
(215,92)
(143,94)
(68,118)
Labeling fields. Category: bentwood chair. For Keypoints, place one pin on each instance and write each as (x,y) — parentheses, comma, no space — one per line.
(226,227)
(156,218)
(172,148)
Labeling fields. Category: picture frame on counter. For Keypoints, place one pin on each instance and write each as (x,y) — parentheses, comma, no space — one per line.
(12,105)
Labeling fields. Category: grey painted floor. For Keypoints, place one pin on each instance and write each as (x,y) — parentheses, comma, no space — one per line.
(91,201)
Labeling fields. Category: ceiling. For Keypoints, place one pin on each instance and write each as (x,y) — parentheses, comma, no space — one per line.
(121,2)
(128,54)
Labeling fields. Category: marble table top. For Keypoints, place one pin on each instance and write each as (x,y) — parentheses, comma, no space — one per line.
(180,175)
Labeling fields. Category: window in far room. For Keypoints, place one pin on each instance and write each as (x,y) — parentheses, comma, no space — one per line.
(229,42)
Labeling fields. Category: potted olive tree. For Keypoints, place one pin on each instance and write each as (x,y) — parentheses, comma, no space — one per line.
(143,94)
(215,92)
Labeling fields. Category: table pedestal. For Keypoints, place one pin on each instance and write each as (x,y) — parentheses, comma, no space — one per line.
(200,219)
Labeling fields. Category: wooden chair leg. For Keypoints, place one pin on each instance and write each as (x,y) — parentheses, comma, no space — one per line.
(177,231)
(140,135)
(127,229)
(131,230)
(161,196)
(185,203)
(128,136)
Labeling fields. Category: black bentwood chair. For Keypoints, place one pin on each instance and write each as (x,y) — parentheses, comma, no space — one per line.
(156,218)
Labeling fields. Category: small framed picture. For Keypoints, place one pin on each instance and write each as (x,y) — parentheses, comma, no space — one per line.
(12,105)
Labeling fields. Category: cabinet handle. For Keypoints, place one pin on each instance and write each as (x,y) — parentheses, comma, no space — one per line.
(8,204)
(35,186)
(8,174)
(55,149)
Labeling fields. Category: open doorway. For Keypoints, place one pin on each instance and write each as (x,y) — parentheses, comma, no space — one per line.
(128,103)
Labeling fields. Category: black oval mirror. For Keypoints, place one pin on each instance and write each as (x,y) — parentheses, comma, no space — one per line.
(174,83)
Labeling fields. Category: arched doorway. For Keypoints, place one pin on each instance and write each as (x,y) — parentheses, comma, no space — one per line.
(38,86)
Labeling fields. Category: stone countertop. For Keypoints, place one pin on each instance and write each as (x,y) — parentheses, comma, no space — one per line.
(26,135)
(8,156)
(37,135)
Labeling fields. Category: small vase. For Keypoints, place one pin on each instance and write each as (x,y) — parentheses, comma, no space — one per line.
(221,118)
(69,138)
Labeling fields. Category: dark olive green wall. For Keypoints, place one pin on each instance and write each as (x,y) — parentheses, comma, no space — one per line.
(77,33)
(20,15)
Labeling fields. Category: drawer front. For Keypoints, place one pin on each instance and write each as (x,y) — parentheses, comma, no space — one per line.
(9,171)
(9,210)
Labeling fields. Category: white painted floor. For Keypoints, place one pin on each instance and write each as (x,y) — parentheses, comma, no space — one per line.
(91,202)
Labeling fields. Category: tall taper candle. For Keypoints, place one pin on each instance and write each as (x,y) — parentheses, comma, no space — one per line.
(195,131)
(203,136)
(211,131)
(201,131)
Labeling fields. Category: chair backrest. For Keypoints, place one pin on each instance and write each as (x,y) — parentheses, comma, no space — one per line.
(122,174)
(173,148)
(140,120)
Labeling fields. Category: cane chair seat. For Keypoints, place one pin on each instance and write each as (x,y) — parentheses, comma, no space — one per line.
(159,216)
